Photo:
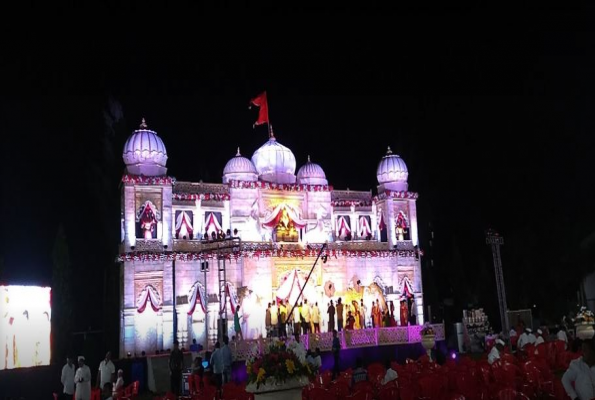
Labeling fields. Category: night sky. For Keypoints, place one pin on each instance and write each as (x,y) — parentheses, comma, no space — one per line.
(493,116)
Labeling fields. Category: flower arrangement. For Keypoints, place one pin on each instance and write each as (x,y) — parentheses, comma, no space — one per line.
(279,363)
(584,316)
(427,330)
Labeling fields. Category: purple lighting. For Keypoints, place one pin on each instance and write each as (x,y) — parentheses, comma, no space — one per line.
(453,356)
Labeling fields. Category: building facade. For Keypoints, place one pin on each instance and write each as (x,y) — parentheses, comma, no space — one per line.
(274,223)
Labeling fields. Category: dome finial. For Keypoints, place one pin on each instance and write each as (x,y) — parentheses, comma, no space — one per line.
(238,153)
(388,150)
(143,124)
(308,157)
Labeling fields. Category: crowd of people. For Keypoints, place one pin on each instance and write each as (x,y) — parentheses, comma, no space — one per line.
(77,381)
(306,317)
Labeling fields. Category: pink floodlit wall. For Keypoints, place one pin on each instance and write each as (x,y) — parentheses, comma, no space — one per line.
(25,326)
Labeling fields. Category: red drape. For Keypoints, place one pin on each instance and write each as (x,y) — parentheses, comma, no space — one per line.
(263,113)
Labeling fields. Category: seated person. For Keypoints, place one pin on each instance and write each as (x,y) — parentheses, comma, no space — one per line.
(119,386)
(359,373)
(317,359)
(107,393)
(391,374)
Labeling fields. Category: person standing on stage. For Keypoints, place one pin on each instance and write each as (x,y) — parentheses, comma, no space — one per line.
(331,317)
(274,319)
(339,315)
(267,320)
(316,318)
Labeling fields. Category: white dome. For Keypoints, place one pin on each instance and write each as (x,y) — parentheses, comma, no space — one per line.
(144,153)
(274,162)
(392,172)
(239,168)
(311,174)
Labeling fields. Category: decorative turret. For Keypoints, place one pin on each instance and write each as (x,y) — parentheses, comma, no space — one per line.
(311,174)
(144,153)
(239,168)
(392,172)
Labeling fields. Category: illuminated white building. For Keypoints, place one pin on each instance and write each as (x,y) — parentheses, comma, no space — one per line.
(282,220)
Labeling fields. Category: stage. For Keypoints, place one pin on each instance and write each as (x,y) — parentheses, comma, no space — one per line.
(372,345)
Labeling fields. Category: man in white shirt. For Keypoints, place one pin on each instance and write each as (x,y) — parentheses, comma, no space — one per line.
(390,375)
(563,337)
(579,378)
(316,318)
(67,378)
(525,338)
(539,338)
(496,351)
(82,379)
(107,371)
(531,337)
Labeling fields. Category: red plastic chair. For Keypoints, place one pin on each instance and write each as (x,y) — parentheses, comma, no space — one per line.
(510,394)
(388,393)
(361,395)
(322,394)
(432,387)
(340,388)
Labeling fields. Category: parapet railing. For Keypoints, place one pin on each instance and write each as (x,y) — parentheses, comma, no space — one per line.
(350,339)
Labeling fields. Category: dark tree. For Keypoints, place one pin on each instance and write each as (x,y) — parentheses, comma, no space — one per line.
(62,298)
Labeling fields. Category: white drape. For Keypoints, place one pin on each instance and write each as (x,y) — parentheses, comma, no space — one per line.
(342,227)
(212,224)
(292,213)
(149,294)
(184,223)
(364,227)
(197,292)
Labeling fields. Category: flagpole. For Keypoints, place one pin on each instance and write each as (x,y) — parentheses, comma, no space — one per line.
(271,135)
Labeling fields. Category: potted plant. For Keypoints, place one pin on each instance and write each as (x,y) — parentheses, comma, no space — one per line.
(428,338)
(583,322)
(280,371)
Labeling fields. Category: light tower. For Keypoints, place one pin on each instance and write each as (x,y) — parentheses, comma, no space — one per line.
(495,240)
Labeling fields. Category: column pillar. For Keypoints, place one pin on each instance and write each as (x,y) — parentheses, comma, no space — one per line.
(413,222)
(374,222)
(198,221)
(390,223)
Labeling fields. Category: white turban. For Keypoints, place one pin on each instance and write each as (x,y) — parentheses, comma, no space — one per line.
(81,358)
(540,332)
(500,341)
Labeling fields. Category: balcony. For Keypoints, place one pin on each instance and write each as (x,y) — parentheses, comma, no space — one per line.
(196,246)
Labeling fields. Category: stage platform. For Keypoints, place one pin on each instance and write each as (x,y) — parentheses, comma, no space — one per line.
(372,345)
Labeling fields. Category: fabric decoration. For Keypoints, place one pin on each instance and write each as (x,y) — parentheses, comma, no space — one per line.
(198,295)
(148,295)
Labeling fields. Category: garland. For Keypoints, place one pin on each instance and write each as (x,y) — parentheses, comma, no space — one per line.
(290,187)
(148,180)
(180,256)
(201,196)
(389,194)
(349,203)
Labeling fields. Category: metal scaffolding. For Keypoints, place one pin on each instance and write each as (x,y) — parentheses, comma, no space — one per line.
(495,240)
